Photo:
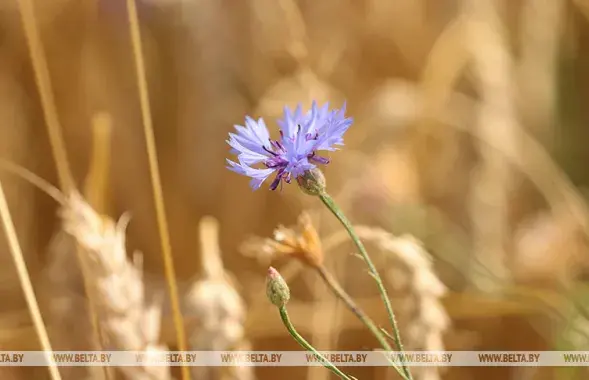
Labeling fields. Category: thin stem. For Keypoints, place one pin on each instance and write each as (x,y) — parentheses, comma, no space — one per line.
(54,131)
(96,190)
(340,293)
(25,282)
(42,78)
(307,346)
(156,182)
(96,187)
(334,208)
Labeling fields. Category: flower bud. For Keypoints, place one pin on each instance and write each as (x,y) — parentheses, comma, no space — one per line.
(277,290)
(312,182)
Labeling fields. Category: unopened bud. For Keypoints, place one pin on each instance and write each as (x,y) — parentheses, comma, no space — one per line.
(277,290)
(312,182)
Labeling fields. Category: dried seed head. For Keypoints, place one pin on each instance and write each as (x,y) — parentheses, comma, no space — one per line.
(301,242)
(276,288)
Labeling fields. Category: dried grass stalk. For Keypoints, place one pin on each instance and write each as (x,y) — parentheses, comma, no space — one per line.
(542,24)
(218,307)
(43,80)
(493,178)
(16,133)
(25,281)
(156,182)
(126,322)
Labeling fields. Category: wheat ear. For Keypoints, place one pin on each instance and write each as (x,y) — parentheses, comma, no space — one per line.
(126,322)
(217,306)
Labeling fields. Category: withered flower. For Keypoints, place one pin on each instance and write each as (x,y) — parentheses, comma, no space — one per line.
(301,242)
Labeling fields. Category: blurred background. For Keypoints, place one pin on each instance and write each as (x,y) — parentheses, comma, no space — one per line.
(465,170)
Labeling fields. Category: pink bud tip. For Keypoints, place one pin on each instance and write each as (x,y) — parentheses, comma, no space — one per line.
(276,288)
(272,272)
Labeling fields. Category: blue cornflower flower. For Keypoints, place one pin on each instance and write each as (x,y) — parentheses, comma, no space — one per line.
(301,136)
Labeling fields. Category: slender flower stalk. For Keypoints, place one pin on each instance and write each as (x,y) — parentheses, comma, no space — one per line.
(335,210)
(340,293)
(279,294)
(304,244)
(307,346)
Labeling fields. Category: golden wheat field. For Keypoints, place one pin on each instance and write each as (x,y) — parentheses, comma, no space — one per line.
(464,174)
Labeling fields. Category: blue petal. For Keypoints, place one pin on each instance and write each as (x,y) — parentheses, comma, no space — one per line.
(258,130)
(255,183)
(290,124)
(245,142)
(333,128)
(254,136)
(249,156)
(235,167)
(258,175)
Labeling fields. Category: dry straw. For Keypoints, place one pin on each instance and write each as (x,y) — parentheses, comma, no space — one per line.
(492,180)
(218,308)
(25,281)
(156,181)
(126,322)
(54,128)
(46,93)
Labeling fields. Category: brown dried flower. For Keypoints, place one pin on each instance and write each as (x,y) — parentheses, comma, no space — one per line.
(301,241)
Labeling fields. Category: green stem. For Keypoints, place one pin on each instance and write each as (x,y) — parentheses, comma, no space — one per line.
(306,345)
(340,293)
(334,208)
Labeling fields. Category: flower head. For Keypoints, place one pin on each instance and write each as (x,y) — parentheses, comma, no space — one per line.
(301,242)
(301,136)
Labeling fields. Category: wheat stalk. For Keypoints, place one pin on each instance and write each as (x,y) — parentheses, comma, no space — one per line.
(54,127)
(26,284)
(46,93)
(156,181)
(492,180)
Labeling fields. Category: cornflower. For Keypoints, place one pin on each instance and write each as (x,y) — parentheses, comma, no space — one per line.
(301,136)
